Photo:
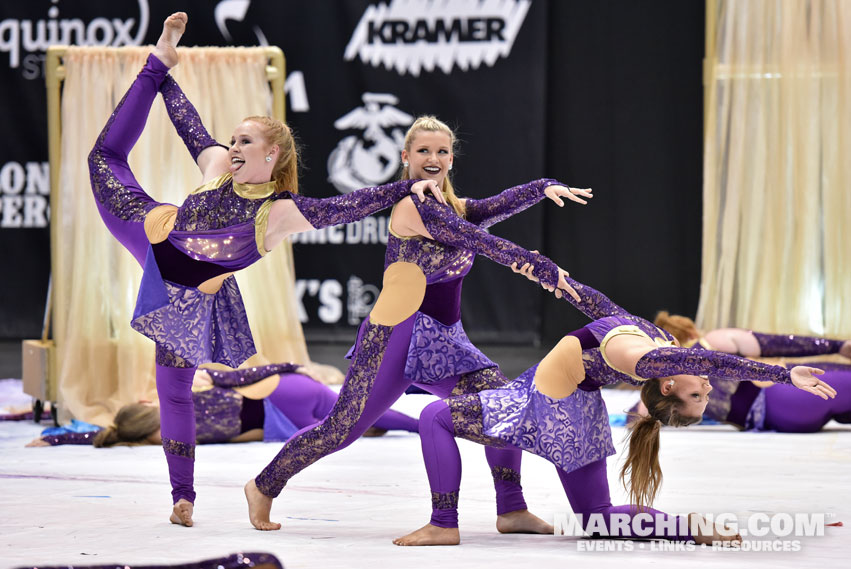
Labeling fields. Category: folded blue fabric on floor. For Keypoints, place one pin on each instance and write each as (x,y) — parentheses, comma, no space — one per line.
(74,426)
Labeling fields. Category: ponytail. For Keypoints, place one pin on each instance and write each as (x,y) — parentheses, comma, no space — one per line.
(133,425)
(107,437)
(641,474)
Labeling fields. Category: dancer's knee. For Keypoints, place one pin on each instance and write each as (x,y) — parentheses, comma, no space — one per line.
(434,417)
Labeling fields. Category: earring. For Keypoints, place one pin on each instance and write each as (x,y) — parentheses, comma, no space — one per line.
(405,164)
(268,159)
(450,165)
(671,383)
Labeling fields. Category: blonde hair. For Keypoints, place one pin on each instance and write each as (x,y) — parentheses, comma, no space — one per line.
(285,172)
(133,425)
(641,467)
(431,123)
(682,328)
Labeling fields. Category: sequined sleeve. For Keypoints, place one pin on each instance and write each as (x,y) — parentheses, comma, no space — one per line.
(70,438)
(447,228)
(594,304)
(492,210)
(185,118)
(664,362)
(325,212)
(248,376)
(791,345)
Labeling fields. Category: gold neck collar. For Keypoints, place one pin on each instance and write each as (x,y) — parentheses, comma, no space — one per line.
(254,191)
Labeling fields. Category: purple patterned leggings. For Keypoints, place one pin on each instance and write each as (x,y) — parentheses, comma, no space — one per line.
(791,410)
(373,382)
(305,402)
(587,488)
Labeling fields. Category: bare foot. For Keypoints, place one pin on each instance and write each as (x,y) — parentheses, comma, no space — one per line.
(522,521)
(374,432)
(430,535)
(173,29)
(259,508)
(181,514)
(728,539)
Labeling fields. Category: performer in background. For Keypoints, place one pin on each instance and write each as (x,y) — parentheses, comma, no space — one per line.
(233,408)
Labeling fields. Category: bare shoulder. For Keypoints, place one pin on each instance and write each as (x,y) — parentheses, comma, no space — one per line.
(405,220)
(624,350)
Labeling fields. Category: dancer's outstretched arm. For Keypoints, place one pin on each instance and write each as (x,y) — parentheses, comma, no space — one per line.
(247,376)
(301,213)
(792,345)
(635,354)
(489,211)
(64,439)
(441,224)
(593,303)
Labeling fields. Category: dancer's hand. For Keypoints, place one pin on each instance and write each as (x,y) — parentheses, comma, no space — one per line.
(39,442)
(525,270)
(563,287)
(556,192)
(202,378)
(420,187)
(804,377)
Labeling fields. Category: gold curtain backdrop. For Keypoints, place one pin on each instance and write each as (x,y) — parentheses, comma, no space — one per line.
(777,172)
(102,363)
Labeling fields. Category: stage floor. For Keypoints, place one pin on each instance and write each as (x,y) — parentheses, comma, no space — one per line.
(82,506)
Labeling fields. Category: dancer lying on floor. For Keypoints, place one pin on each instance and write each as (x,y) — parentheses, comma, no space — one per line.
(241,408)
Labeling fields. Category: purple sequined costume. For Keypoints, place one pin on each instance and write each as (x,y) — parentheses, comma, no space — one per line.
(572,432)
(216,231)
(222,414)
(783,408)
(430,347)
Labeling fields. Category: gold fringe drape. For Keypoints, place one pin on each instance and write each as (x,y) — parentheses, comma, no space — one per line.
(101,362)
(777,175)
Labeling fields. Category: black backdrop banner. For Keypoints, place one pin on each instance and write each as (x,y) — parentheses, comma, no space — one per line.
(602,94)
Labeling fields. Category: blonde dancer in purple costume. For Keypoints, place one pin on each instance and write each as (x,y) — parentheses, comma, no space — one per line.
(414,332)
(188,302)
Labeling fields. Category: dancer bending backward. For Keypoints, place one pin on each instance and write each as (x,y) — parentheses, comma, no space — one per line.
(188,302)
(555,410)
(752,406)
(414,332)
(228,411)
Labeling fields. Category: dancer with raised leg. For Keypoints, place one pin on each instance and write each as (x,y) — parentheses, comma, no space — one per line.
(413,333)
(188,302)
(555,410)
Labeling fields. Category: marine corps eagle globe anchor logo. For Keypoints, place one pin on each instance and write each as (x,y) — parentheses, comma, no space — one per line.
(373,157)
